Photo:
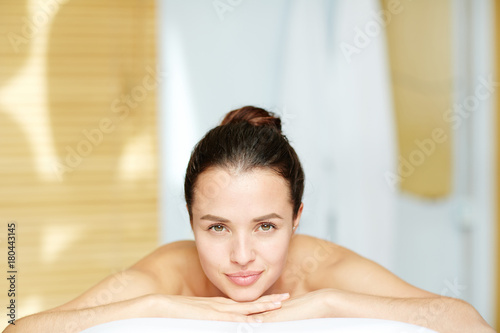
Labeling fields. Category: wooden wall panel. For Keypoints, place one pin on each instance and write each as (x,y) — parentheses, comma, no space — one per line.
(419,44)
(78,142)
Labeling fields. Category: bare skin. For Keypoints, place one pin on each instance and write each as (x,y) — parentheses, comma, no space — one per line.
(174,269)
(247,223)
(182,258)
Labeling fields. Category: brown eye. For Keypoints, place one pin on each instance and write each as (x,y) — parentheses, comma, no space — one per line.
(217,228)
(267,226)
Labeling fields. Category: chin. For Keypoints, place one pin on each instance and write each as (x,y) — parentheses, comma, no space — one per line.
(244,296)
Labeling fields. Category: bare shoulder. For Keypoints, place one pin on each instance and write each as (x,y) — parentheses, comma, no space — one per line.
(158,272)
(334,266)
(166,265)
(308,249)
(169,251)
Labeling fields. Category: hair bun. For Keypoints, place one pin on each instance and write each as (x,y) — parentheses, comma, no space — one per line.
(254,116)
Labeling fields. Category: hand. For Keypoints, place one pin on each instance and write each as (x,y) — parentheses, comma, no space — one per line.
(308,306)
(218,308)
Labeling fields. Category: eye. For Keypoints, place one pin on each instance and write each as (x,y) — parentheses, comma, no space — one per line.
(217,228)
(267,226)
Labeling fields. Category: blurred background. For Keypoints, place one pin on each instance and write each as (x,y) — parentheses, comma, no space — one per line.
(390,104)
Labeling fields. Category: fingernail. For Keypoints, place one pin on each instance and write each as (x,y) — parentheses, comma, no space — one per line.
(277,302)
(285,295)
(258,320)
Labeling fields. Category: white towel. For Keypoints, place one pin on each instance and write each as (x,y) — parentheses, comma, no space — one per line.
(337,325)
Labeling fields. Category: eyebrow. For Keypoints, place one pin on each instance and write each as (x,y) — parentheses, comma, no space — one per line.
(257,219)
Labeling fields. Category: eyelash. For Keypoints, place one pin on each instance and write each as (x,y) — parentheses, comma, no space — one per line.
(265,223)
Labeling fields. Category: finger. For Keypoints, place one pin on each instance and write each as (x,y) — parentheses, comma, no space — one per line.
(274,297)
(227,316)
(256,318)
(248,308)
(260,307)
(224,300)
(262,304)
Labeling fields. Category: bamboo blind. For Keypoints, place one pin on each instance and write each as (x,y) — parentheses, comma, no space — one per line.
(419,44)
(78,167)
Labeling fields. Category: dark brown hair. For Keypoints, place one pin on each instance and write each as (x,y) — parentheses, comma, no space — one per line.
(247,138)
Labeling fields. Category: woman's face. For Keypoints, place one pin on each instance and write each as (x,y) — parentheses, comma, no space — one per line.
(242,225)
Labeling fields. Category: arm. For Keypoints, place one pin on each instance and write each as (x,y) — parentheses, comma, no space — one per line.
(372,291)
(141,291)
(380,294)
(442,314)
(119,296)
(149,306)
(76,320)
(345,284)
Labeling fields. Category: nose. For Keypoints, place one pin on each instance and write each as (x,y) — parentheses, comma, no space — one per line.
(242,250)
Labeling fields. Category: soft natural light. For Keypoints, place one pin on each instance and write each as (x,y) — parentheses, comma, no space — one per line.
(56,238)
(25,83)
(137,161)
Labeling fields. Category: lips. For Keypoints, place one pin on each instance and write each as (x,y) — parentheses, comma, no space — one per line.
(245,278)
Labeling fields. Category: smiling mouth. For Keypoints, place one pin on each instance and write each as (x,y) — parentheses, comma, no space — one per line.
(244,279)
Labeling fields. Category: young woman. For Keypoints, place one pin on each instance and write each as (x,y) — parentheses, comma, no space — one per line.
(243,190)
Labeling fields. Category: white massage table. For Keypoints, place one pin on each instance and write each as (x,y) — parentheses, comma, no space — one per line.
(337,325)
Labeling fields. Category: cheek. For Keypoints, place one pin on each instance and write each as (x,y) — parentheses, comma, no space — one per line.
(274,252)
(212,255)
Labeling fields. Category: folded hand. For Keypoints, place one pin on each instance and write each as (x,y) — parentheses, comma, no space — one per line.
(307,306)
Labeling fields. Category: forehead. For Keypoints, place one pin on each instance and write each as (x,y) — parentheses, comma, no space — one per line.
(254,191)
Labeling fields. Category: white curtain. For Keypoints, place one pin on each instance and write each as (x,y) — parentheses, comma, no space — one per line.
(312,62)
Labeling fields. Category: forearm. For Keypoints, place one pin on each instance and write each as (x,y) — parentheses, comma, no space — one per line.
(441,314)
(73,321)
